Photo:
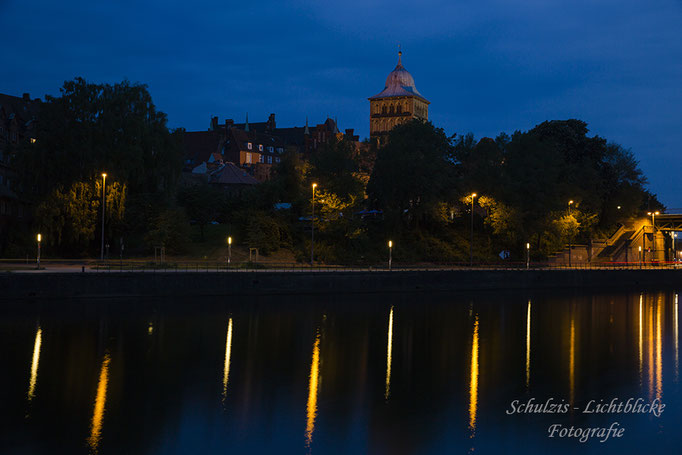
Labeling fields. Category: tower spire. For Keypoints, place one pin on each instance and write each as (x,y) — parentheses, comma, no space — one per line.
(246,125)
(306,130)
(400,55)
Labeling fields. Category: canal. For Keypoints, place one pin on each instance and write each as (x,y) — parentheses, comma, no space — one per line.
(486,372)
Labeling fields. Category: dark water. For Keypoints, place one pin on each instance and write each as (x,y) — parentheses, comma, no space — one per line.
(380,374)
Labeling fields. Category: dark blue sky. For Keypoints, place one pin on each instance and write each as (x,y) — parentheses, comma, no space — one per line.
(486,65)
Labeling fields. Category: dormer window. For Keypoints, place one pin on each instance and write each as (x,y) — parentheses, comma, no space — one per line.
(249,145)
(260,147)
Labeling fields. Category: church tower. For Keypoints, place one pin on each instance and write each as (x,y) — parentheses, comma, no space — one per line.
(398,103)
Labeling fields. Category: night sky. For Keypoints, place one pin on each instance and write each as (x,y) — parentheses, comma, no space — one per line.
(487,66)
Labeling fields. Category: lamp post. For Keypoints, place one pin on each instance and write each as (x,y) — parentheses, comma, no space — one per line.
(527,256)
(312,230)
(39,238)
(653,234)
(640,257)
(570,235)
(471,239)
(390,254)
(674,236)
(229,250)
(104,202)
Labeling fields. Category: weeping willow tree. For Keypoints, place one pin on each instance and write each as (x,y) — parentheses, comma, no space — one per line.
(70,216)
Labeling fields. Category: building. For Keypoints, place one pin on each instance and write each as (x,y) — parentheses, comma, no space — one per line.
(397,103)
(255,147)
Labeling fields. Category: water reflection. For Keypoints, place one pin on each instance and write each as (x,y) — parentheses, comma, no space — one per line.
(570,347)
(571,360)
(34,364)
(389,354)
(313,384)
(228,352)
(100,403)
(659,351)
(641,297)
(676,335)
(473,381)
(528,345)
(650,347)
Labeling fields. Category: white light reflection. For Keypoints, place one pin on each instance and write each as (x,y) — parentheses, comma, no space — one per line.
(389,355)
(528,346)
(313,385)
(34,364)
(228,352)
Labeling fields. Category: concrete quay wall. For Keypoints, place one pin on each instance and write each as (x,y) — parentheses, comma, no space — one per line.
(89,284)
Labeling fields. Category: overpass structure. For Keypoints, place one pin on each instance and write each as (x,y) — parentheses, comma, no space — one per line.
(668,222)
(648,239)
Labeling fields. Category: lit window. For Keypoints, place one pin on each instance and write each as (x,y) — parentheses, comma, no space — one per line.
(33,140)
(271,149)
(248,157)
(269,159)
(276,159)
(249,146)
(260,158)
(280,150)
(260,147)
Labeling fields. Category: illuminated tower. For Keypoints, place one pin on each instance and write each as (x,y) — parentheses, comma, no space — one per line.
(398,103)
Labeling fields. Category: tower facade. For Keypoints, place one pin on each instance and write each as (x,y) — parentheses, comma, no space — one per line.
(398,103)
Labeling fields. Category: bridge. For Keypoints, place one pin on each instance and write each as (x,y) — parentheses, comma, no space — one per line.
(648,239)
(668,222)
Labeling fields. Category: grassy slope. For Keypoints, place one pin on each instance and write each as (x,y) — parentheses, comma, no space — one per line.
(214,247)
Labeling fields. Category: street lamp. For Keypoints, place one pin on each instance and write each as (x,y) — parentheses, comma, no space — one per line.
(674,236)
(471,240)
(640,256)
(104,202)
(570,235)
(390,254)
(653,233)
(39,238)
(229,250)
(312,230)
(527,256)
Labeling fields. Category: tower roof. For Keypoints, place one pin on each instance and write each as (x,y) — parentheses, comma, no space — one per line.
(399,83)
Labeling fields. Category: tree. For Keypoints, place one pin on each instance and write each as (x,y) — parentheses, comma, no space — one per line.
(69,217)
(169,229)
(202,204)
(413,172)
(334,169)
(90,129)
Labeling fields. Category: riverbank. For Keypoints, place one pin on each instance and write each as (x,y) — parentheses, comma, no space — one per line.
(60,285)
